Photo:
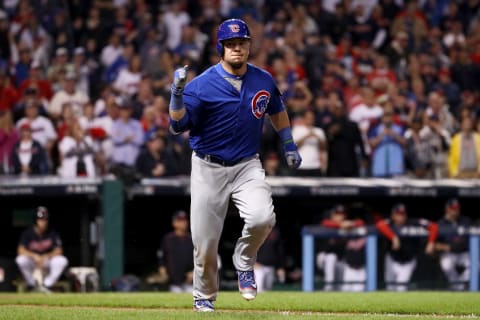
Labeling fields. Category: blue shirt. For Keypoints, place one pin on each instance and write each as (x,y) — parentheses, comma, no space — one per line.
(225,122)
(387,157)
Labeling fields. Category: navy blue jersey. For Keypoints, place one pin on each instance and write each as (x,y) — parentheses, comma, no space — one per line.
(40,244)
(225,122)
(458,243)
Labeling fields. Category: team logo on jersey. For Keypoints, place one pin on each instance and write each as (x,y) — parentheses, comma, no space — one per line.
(234,28)
(260,102)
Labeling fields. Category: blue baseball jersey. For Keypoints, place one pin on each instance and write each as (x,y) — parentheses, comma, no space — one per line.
(226,122)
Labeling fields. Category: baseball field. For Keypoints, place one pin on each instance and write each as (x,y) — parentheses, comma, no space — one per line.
(270,305)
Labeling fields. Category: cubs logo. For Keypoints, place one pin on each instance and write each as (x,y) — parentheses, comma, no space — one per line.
(234,28)
(260,103)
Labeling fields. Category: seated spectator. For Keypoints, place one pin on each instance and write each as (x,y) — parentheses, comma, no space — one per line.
(76,153)
(127,136)
(154,160)
(400,259)
(175,256)
(29,156)
(454,247)
(40,247)
(464,153)
(311,145)
(387,142)
(60,64)
(8,139)
(65,121)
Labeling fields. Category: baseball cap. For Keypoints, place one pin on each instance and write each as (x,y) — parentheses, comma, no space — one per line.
(61,51)
(71,75)
(180,214)
(339,209)
(399,208)
(25,126)
(79,51)
(453,203)
(42,213)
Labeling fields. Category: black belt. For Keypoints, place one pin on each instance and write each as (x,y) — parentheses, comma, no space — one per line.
(217,160)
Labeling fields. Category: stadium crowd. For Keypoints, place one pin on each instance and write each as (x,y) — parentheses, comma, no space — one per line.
(377,88)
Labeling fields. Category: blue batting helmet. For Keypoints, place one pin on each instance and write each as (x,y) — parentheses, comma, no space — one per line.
(231,29)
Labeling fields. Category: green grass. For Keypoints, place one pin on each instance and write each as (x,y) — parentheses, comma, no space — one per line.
(229,305)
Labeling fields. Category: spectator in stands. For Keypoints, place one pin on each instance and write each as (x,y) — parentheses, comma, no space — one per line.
(418,151)
(366,114)
(311,145)
(112,51)
(29,156)
(175,256)
(270,264)
(127,136)
(438,139)
(8,94)
(387,142)
(40,248)
(400,259)
(69,94)
(8,139)
(346,152)
(412,21)
(154,159)
(437,107)
(59,65)
(76,153)
(82,69)
(453,246)
(464,153)
(41,127)
(36,79)
(128,79)
(174,19)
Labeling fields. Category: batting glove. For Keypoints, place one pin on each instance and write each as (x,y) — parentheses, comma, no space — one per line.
(293,159)
(179,80)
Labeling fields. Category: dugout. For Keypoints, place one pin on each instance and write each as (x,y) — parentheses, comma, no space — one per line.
(118,228)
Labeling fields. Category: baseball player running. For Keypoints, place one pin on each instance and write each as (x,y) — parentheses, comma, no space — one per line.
(400,259)
(224,110)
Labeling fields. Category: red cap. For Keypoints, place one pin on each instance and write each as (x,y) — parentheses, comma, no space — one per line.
(25,126)
(399,209)
(453,204)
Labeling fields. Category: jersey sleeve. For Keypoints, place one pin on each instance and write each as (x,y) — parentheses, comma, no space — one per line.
(276,104)
(192,102)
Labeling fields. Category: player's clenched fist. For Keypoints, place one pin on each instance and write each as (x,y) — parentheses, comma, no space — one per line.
(179,80)
(293,159)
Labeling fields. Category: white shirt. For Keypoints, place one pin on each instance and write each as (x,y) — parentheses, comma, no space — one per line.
(174,23)
(110,54)
(25,152)
(42,129)
(127,82)
(309,150)
(78,99)
(68,167)
(364,115)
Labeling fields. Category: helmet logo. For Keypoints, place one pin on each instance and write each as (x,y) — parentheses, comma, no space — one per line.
(234,28)
(260,102)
